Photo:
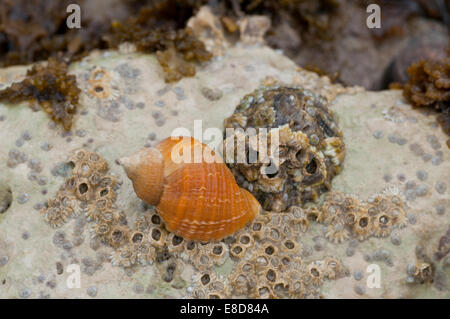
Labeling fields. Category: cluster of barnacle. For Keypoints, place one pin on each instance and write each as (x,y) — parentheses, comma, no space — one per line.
(89,190)
(149,241)
(310,150)
(269,265)
(267,251)
(50,85)
(345,216)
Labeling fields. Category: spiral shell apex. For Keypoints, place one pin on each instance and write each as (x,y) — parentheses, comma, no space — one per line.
(198,200)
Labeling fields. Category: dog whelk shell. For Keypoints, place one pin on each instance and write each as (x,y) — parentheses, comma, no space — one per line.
(197,199)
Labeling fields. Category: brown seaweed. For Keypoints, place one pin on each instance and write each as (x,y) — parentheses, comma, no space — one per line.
(429,86)
(50,85)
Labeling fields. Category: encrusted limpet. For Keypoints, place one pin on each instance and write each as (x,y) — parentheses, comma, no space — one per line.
(310,151)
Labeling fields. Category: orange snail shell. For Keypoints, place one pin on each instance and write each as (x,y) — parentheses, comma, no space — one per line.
(197,201)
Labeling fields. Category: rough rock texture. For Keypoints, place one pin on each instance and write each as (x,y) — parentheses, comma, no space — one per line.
(388,144)
(358,55)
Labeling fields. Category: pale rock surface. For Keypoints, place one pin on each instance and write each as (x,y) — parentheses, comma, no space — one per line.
(142,109)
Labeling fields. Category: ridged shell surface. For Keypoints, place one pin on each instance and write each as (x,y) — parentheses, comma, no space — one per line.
(199,201)
(202,201)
